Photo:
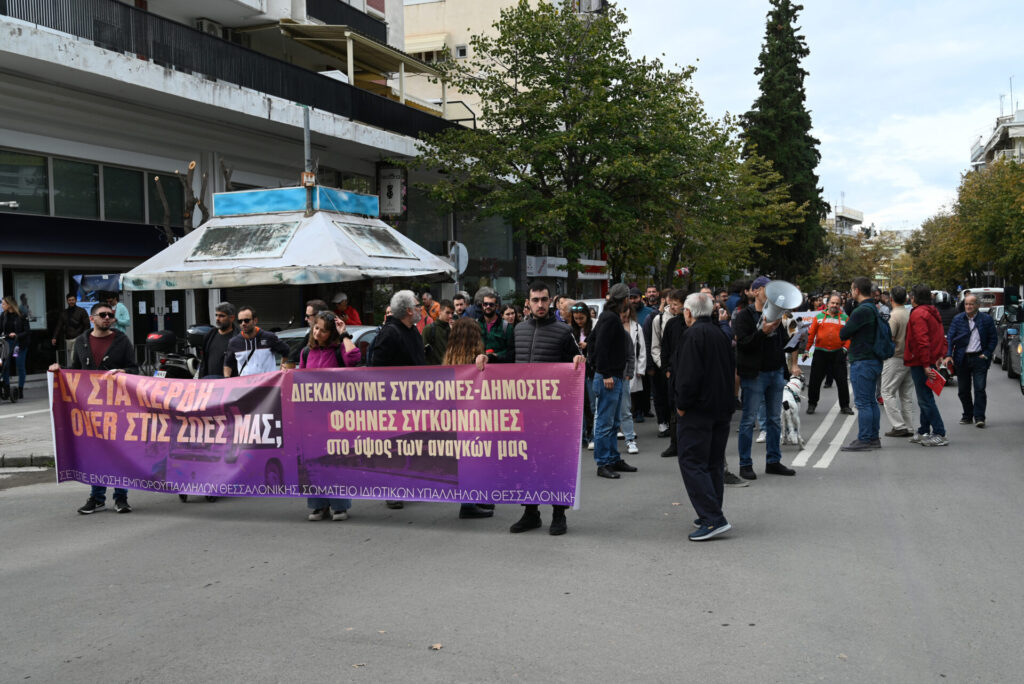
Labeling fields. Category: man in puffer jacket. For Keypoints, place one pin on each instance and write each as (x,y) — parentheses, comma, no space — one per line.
(925,345)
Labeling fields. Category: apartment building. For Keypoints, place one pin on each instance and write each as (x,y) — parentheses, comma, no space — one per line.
(100,98)
(1005,142)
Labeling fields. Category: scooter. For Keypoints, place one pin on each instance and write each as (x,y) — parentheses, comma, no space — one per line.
(169,363)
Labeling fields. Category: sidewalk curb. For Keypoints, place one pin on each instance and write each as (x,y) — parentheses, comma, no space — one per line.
(30,460)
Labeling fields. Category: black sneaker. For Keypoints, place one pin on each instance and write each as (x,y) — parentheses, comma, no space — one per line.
(747,473)
(778,469)
(558,525)
(319,514)
(669,452)
(810,409)
(91,506)
(468,513)
(876,443)
(856,445)
(121,506)
(607,471)
(705,531)
(846,411)
(980,423)
(730,480)
(966,420)
(394,505)
(623,467)
(529,521)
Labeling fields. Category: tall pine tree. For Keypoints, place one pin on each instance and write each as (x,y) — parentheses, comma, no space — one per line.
(778,128)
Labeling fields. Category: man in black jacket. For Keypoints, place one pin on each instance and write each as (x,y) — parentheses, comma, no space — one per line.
(72,322)
(760,360)
(542,338)
(704,404)
(105,349)
(215,343)
(609,345)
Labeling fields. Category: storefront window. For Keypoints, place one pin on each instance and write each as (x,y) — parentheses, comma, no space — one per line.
(76,189)
(175,199)
(123,195)
(23,179)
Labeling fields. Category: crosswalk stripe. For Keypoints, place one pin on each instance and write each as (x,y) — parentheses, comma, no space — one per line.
(804,455)
(837,441)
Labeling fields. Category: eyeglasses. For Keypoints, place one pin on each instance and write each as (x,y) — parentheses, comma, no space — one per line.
(104,314)
(579,308)
(245,320)
(489,304)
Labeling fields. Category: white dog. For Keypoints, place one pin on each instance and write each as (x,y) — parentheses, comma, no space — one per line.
(791,398)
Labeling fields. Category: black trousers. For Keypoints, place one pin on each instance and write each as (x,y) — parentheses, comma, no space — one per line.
(702,440)
(642,399)
(821,362)
(659,389)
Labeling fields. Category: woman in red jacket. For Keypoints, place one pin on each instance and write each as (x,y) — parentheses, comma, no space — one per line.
(926,344)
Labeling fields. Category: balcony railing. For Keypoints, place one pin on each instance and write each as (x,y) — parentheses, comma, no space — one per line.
(122,28)
(338,12)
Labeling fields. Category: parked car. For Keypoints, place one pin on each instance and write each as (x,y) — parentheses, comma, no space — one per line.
(362,337)
(1007,319)
(1013,352)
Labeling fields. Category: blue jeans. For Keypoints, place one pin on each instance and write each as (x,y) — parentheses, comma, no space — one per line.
(930,418)
(606,420)
(764,390)
(973,372)
(100,494)
(337,505)
(19,362)
(864,376)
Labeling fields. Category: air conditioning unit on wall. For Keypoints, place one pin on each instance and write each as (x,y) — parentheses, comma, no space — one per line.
(210,27)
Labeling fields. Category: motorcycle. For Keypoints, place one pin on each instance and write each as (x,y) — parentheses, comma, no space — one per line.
(171,364)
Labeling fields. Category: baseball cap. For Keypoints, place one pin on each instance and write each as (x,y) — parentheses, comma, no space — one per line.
(618,291)
(635,292)
(759,282)
(339,298)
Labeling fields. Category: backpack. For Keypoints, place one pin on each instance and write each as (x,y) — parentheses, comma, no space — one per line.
(883,347)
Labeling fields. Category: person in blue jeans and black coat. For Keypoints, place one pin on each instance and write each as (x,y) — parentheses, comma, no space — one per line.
(760,359)
(971,340)
(865,367)
(609,346)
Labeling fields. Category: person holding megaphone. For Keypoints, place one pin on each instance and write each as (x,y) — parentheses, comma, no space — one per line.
(760,359)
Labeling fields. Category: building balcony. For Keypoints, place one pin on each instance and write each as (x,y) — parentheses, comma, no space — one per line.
(121,28)
(339,13)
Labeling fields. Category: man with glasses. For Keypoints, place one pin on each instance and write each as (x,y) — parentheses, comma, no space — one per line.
(252,350)
(215,344)
(103,348)
(499,336)
(313,307)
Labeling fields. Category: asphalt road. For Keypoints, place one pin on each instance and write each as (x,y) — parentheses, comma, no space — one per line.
(898,565)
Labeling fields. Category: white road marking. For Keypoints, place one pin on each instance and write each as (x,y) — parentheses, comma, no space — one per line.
(26,413)
(837,441)
(804,455)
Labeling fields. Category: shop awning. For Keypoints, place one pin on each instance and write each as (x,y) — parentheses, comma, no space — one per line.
(367,53)
(428,42)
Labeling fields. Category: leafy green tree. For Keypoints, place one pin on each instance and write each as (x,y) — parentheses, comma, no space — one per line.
(582,145)
(778,128)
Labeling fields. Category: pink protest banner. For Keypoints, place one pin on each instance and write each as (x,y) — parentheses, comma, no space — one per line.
(508,434)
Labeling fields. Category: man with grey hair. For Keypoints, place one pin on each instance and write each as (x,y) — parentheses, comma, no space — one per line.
(703,372)
(399,342)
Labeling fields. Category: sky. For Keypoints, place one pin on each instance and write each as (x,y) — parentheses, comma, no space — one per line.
(898,90)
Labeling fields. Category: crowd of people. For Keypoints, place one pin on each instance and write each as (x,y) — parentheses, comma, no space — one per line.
(689,360)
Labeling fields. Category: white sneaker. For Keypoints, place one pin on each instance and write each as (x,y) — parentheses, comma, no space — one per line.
(339,515)
(662,427)
(918,437)
(632,448)
(621,435)
(935,441)
(761,437)
(590,445)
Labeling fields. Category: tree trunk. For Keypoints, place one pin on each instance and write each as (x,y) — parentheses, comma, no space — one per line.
(167,210)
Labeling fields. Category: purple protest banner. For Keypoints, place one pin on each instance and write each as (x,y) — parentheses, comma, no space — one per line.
(508,434)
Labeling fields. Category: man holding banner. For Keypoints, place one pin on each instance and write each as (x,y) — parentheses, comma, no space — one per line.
(105,349)
(542,338)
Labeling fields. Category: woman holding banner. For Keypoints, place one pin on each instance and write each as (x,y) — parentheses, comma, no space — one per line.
(465,344)
(329,347)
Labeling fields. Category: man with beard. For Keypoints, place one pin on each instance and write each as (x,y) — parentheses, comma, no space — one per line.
(72,322)
(215,344)
(829,355)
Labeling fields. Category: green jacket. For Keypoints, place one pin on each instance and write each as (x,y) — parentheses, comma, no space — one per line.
(435,342)
(499,341)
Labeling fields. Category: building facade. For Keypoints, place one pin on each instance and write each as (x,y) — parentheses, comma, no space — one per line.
(104,103)
(1005,142)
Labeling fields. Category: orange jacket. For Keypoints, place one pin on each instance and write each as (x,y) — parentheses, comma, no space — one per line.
(824,332)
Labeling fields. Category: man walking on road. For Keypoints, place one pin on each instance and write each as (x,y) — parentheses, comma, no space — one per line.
(971,341)
(542,338)
(897,385)
(609,346)
(829,354)
(103,349)
(704,404)
(760,359)
(925,345)
(865,367)
(72,322)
